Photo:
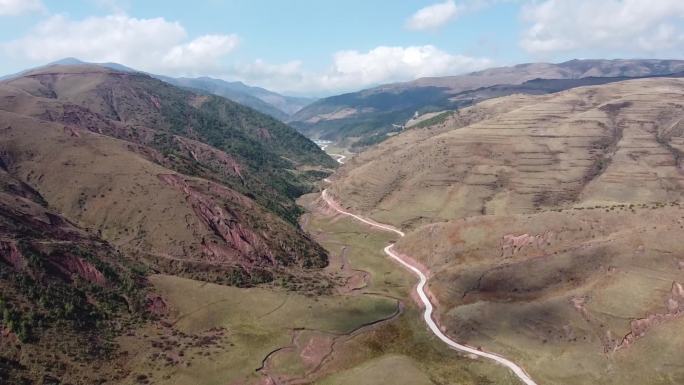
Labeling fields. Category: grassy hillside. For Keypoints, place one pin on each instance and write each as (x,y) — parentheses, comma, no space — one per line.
(583,295)
(614,143)
(178,223)
(548,225)
(367,117)
(65,295)
(202,135)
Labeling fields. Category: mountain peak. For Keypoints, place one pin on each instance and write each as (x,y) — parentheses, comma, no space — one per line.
(67,61)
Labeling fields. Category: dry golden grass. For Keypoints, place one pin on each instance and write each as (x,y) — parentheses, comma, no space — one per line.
(106,185)
(614,143)
(562,303)
(550,225)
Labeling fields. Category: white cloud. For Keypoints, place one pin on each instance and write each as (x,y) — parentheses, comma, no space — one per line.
(18,7)
(630,26)
(383,64)
(154,45)
(352,70)
(208,48)
(434,16)
(160,46)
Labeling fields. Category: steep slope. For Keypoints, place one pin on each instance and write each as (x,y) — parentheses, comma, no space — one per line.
(366,117)
(65,294)
(192,226)
(268,102)
(549,226)
(614,143)
(199,134)
(98,143)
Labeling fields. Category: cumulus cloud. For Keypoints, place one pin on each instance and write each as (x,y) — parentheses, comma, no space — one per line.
(18,7)
(208,48)
(631,26)
(434,16)
(154,45)
(352,70)
(157,45)
(383,64)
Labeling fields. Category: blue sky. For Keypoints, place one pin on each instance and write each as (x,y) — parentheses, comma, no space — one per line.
(324,47)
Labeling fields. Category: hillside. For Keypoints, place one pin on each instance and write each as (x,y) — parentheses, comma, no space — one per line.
(223,177)
(65,295)
(199,134)
(135,248)
(366,117)
(548,226)
(591,145)
(265,101)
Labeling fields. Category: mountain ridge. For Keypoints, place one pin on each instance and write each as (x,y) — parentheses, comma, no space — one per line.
(271,103)
(236,171)
(368,116)
(549,225)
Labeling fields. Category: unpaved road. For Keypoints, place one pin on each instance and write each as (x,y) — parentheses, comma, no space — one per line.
(420,289)
(339,158)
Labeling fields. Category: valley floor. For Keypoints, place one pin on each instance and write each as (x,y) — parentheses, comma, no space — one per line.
(368,326)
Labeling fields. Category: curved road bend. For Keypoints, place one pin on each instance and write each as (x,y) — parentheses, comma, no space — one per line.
(420,289)
(340,158)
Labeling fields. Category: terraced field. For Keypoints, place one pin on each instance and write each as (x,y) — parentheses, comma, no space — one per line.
(550,227)
(613,143)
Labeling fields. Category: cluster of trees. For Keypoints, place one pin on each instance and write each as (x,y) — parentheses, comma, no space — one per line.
(20,324)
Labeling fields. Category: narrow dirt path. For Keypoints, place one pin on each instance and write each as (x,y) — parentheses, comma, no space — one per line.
(422,294)
(339,158)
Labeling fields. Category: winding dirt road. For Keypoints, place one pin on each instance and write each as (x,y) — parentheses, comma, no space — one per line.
(420,289)
(340,158)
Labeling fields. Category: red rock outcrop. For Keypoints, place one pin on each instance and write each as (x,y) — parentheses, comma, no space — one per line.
(225,224)
(512,244)
(263,133)
(11,254)
(78,266)
(156,305)
(72,131)
(639,327)
(206,154)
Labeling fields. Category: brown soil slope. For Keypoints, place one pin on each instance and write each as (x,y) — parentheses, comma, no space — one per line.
(201,135)
(615,143)
(176,221)
(551,227)
(573,69)
(577,296)
(64,294)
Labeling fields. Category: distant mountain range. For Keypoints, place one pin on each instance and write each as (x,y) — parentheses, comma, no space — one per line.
(368,116)
(268,102)
(260,99)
